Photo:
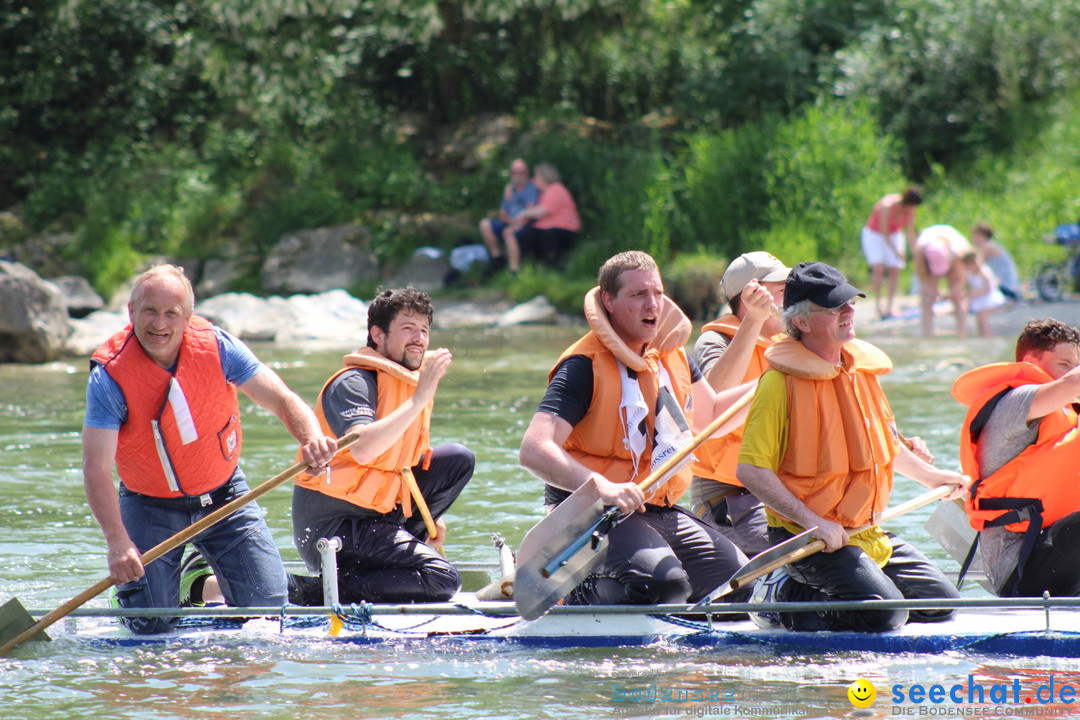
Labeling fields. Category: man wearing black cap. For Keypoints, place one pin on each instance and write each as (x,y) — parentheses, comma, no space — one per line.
(819,450)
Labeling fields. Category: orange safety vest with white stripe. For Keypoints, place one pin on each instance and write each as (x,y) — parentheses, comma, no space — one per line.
(717,458)
(182,435)
(377,485)
(1040,485)
(841,437)
(598,442)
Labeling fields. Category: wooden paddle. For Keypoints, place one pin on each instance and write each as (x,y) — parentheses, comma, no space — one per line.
(162,548)
(805,544)
(429,522)
(563,548)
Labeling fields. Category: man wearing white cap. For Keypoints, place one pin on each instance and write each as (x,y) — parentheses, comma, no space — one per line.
(731,351)
(938,250)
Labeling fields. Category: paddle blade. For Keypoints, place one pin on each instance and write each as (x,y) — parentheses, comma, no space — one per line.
(763,563)
(535,594)
(14,619)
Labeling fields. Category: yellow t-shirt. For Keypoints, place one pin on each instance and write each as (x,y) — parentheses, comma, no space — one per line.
(764,443)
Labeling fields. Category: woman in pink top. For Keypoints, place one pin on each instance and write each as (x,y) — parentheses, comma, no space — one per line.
(555,225)
(883,243)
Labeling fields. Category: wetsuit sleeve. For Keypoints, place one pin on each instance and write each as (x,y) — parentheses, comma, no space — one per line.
(766,434)
(570,391)
(106,408)
(237,360)
(351,400)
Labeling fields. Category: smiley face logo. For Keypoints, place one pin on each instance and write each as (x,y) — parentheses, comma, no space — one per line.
(862,693)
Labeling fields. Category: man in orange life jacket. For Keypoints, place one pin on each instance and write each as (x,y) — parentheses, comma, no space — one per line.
(1020,440)
(385,394)
(162,406)
(819,449)
(730,351)
(613,409)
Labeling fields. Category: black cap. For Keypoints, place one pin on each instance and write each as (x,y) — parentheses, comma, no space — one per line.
(819,283)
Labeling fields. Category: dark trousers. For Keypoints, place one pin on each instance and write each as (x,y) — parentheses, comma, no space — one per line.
(550,245)
(850,574)
(1054,564)
(384,558)
(663,555)
(738,515)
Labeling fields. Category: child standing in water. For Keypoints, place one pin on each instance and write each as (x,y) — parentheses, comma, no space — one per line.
(983,291)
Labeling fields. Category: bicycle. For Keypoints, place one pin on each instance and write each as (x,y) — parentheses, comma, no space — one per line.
(1052,280)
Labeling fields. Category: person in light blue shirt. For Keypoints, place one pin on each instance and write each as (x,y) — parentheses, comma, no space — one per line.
(518,195)
(163,417)
(998,259)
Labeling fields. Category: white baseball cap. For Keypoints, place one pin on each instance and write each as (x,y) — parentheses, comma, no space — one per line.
(758,265)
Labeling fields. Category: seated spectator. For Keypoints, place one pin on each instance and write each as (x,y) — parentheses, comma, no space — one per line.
(519,194)
(555,227)
(998,259)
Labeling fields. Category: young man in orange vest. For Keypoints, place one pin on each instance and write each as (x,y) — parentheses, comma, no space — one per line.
(162,406)
(1020,441)
(617,401)
(819,449)
(385,394)
(730,351)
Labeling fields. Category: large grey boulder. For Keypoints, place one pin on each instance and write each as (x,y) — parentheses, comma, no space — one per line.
(217,275)
(314,261)
(426,270)
(89,332)
(330,318)
(48,255)
(79,295)
(33,318)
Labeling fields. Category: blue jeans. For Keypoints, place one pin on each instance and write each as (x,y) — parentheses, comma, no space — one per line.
(240,549)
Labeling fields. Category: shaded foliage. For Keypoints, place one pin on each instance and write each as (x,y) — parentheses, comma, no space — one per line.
(151,126)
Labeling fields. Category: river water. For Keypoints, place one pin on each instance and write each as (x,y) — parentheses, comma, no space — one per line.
(52,549)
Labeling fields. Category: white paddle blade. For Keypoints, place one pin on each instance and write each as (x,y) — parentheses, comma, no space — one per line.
(535,594)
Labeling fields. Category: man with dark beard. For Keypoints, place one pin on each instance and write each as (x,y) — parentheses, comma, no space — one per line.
(385,394)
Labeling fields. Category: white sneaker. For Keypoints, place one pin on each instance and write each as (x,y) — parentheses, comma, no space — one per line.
(765,590)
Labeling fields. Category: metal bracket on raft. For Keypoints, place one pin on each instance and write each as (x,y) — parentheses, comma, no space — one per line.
(328,550)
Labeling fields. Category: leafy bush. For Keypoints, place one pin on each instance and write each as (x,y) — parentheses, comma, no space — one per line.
(723,194)
(826,168)
(952,78)
(566,294)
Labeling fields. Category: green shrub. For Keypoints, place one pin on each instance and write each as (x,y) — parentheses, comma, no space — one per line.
(825,170)
(722,195)
(566,294)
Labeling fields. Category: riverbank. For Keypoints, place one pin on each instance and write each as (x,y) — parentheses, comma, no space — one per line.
(1005,322)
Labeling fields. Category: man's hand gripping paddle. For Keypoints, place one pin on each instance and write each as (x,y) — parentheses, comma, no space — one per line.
(562,549)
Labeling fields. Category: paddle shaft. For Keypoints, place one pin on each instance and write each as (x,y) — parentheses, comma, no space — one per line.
(818,545)
(414,490)
(606,521)
(166,546)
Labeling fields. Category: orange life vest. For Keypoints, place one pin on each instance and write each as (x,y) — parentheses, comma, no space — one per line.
(1044,478)
(597,442)
(841,437)
(177,468)
(717,458)
(377,485)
